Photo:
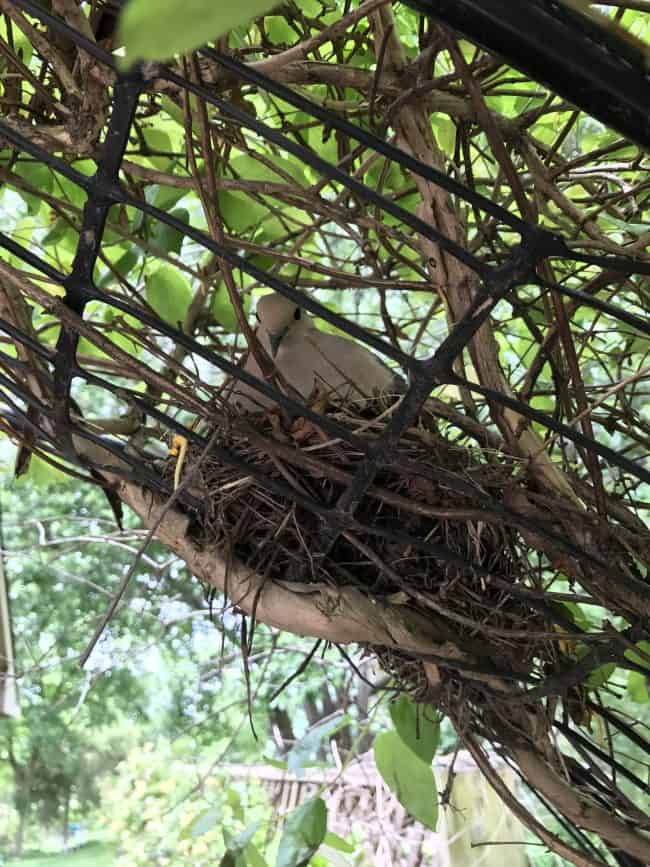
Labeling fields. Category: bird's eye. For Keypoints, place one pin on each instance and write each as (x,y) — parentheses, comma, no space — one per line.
(296,313)
(257,316)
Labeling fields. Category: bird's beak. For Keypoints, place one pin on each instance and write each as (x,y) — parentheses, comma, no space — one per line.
(275,339)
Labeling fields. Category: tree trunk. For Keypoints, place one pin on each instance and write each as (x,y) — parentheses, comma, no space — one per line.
(66,821)
(19,839)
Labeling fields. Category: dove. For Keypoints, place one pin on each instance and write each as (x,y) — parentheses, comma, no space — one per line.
(311,361)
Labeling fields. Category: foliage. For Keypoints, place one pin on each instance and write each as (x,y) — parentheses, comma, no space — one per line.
(61,547)
(60,747)
(196,159)
(166,808)
(155,33)
(403,758)
(90,855)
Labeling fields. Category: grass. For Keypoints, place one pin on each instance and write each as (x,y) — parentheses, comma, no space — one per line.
(90,855)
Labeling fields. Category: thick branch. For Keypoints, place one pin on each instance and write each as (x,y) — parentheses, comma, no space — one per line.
(341,615)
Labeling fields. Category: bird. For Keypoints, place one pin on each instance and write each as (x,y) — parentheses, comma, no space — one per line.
(314,363)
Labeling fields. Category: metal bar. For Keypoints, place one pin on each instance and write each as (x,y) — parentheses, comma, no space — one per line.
(593,69)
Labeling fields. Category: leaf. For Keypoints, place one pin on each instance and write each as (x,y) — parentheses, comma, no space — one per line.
(637,687)
(163,197)
(644,647)
(234,802)
(159,143)
(41,474)
(248,168)
(239,211)
(335,842)
(278,30)
(307,747)
(253,857)
(599,676)
(236,844)
(166,237)
(224,312)
(626,226)
(39,176)
(445,131)
(409,778)
(156,31)
(420,733)
(304,830)
(201,824)
(122,265)
(59,230)
(275,763)
(169,293)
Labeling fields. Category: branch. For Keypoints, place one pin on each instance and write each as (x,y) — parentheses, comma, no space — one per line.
(341,615)
(578,809)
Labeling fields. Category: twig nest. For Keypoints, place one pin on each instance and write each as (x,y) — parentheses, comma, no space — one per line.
(426,534)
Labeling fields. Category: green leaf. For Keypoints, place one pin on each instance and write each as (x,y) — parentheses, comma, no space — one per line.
(306,748)
(248,168)
(275,763)
(239,211)
(60,230)
(599,676)
(235,844)
(418,731)
(156,31)
(202,823)
(163,197)
(166,237)
(409,778)
(644,647)
(253,857)
(122,265)
(224,312)
(169,293)
(278,30)
(637,687)
(39,176)
(304,830)
(41,474)
(626,226)
(445,131)
(159,143)
(335,842)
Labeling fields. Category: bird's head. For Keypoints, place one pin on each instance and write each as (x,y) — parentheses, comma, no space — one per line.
(280,319)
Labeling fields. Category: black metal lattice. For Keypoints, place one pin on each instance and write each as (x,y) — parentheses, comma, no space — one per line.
(599,74)
(104,190)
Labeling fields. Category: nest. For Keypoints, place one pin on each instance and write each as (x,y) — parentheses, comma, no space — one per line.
(424,535)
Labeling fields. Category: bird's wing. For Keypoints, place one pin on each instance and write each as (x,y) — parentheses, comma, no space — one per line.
(347,367)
